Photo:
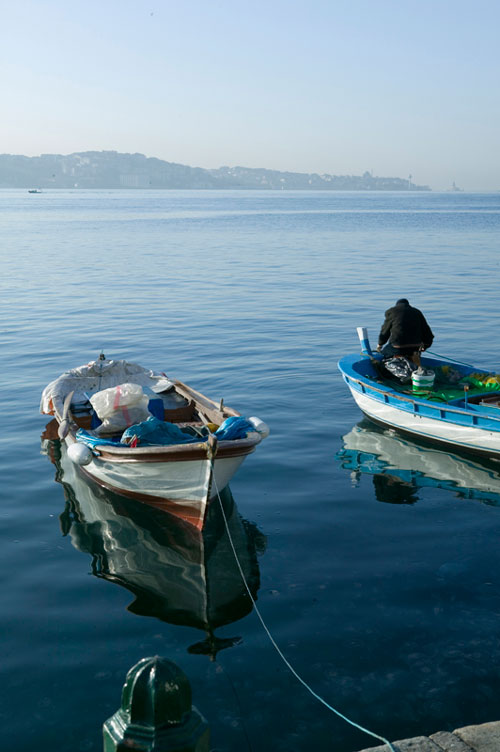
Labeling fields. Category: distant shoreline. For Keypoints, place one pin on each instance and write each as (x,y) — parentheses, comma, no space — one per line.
(113,170)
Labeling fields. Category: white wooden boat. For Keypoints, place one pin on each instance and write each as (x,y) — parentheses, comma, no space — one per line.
(177,573)
(182,476)
(460,410)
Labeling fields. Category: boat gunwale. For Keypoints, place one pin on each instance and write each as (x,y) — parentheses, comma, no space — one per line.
(176,452)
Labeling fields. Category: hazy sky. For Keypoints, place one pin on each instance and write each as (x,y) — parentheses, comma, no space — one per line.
(398,87)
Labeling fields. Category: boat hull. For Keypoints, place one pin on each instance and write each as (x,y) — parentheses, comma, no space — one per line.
(184,486)
(435,430)
(176,573)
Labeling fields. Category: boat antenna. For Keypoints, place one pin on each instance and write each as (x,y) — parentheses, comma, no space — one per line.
(364,341)
(102,358)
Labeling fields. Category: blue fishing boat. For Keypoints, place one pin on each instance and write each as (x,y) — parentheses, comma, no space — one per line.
(443,401)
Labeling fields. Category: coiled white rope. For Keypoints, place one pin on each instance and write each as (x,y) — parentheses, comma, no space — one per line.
(277,648)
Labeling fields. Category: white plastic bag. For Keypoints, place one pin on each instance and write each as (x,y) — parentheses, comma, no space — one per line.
(120,407)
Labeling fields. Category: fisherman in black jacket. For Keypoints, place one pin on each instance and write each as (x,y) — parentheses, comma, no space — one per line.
(406,331)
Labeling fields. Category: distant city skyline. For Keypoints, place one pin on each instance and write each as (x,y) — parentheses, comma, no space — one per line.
(111,169)
(394,88)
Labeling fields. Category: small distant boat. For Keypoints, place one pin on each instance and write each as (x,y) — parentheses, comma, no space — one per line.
(34,190)
(460,408)
(141,435)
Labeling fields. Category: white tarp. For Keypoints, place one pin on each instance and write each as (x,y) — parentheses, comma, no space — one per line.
(95,376)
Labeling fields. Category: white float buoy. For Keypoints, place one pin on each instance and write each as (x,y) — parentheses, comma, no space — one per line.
(79,453)
(260,426)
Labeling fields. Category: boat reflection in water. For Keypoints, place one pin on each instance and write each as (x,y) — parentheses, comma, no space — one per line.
(177,573)
(401,467)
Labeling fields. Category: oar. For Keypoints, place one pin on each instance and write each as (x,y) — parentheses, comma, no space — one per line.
(63,429)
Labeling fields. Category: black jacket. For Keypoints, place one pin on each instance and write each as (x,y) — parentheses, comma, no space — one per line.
(405,326)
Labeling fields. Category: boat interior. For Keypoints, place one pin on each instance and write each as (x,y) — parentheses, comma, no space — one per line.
(178,406)
(450,391)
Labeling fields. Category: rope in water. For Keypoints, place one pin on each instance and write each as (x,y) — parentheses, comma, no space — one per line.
(277,648)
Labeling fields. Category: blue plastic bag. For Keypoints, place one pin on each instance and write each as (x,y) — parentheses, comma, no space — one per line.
(234,428)
(154,431)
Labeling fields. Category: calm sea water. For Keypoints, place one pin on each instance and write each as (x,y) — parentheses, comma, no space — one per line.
(384,593)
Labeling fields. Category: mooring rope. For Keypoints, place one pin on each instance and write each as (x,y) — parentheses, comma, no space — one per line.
(277,648)
(445,357)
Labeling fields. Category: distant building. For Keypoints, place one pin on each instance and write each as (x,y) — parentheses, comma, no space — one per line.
(134,180)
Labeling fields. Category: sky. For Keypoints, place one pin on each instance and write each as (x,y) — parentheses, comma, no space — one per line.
(396,87)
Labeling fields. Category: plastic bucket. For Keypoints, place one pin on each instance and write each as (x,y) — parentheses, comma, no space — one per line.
(422,379)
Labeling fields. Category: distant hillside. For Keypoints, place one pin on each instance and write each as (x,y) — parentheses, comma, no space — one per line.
(110,169)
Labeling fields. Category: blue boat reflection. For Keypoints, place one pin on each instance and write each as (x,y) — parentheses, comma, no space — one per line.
(177,573)
(401,467)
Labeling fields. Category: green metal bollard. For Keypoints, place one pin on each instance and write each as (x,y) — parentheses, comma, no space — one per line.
(156,714)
